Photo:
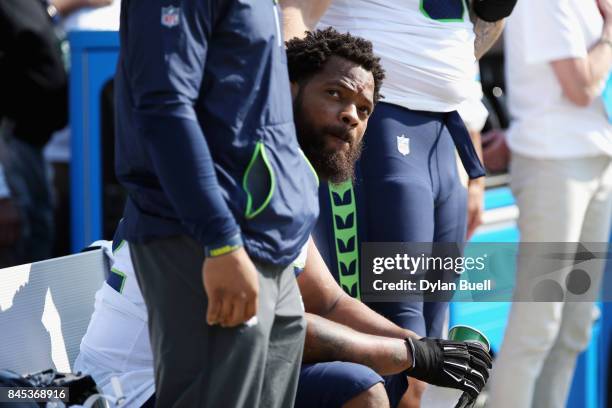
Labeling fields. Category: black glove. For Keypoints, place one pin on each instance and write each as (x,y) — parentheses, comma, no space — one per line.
(452,364)
(493,10)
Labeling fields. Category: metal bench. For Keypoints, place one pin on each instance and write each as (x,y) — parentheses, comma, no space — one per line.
(45,308)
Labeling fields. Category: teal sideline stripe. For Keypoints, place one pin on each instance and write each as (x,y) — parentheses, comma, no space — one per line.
(498,197)
(344,214)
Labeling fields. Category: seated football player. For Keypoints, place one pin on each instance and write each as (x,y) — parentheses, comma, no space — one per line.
(335,81)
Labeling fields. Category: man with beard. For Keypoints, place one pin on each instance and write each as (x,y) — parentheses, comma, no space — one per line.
(407,186)
(335,80)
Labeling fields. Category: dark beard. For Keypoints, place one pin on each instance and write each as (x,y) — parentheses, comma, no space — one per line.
(334,166)
(331,165)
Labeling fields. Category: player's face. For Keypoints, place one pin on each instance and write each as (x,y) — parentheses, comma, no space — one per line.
(331,112)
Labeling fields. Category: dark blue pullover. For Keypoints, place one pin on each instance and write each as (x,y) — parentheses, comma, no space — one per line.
(206,143)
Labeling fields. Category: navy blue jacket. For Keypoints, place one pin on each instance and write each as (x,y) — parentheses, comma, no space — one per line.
(206,143)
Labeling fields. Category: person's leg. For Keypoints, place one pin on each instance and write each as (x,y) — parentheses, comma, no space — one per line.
(553,384)
(286,345)
(450,217)
(397,386)
(552,200)
(373,397)
(197,365)
(334,384)
(396,181)
(412,398)
(397,188)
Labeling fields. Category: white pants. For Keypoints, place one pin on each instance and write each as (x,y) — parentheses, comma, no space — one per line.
(559,201)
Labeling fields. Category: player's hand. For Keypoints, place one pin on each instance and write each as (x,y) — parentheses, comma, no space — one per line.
(10,222)
(475,205)
(231,284)
(453,364)
(495,151)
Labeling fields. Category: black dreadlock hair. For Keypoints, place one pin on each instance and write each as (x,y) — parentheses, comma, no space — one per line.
(307,56)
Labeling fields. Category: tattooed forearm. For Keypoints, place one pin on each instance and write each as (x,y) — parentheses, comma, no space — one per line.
(486,34)
(323,343)
(329,341)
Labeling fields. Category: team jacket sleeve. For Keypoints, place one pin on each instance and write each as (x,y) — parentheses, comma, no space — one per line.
(167,54)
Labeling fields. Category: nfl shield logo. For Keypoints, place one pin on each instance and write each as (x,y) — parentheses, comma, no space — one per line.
(403,145)
(170,16)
